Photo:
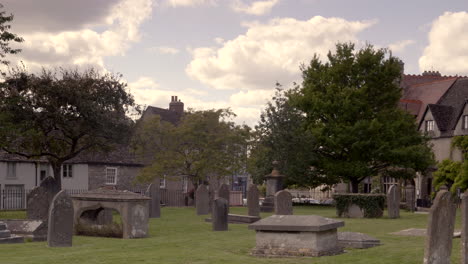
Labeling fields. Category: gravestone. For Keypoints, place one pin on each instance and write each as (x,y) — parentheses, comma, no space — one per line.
(393,202)
(409,195)
(252,200)
(274,184)
(357,240)
(155,202)
(220,214)
(223,192)
(296,235)
(60,227)
(6,237)
(440,228)
(39,199)
(283,203)
(464,231)
(202,200)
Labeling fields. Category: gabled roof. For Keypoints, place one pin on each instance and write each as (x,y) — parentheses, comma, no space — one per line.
(442,115)
(165,114)
(427,93)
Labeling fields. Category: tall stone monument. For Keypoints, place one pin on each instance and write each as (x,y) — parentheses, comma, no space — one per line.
(440,226)
(155,203)
(274,182)
(283,203)
(393,202)
(464,232)
(253,200)
(60,227)
(220,214)
(409,195)
(39,199)
(202,200)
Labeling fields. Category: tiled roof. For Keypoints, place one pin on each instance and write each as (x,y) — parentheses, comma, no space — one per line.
(427,93)
(442,115)
(456,97)
(410,80)
(165,114)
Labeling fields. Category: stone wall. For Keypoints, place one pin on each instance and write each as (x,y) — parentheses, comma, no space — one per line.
(125,176)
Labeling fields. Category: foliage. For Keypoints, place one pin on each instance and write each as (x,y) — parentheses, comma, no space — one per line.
(281,135)
(371,204)
(6,37)
(60,114)
(203,145)
(351,107)
(454,174)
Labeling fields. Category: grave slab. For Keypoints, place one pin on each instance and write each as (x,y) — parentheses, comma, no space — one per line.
(357,240)
(296,235)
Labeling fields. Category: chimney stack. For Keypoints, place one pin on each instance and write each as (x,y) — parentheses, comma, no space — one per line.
(176,105)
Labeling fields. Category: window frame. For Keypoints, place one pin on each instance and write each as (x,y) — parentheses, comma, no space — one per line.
(67,171)
(107,175)
(465,122)
(430,126)
(11,176)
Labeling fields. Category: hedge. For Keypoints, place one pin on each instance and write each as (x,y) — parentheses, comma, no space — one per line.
(372,204)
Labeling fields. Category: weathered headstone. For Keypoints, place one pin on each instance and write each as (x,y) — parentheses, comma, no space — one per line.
(202,200)
(464,231)
(39,199)
(220,214)
(155,202)
(409,195)
(283,203)
(393,202)
(223,192)
(252,200)
(60,227)
(440,228)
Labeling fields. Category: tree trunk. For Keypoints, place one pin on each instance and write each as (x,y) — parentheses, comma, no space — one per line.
(354,186)
(57,168)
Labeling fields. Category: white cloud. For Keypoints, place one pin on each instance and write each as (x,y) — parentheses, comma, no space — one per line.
(251,98)
(447,51)
(87,47)
(400,45)
(270,53)
(188,3)
(164,50)
(257,8)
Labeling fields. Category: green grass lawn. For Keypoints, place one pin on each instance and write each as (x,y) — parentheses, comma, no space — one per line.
(180,236)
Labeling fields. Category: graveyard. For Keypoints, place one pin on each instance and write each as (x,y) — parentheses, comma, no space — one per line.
(182,236)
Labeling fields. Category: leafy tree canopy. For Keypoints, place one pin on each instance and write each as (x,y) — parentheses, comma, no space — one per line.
(350,103)
(6,37)
(281,135)
(203,145)
(60,114)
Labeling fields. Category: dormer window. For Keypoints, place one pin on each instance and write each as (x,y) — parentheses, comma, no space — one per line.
(429,125)
(465,122)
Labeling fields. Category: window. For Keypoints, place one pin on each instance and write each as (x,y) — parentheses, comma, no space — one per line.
(162,182)
(111,175)
(67,171)
(11,170)
(430,125)
(465,122)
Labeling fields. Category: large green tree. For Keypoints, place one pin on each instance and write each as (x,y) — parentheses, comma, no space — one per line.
(350,102)
(282,136)
(6,37)
(60,114)
(203,145)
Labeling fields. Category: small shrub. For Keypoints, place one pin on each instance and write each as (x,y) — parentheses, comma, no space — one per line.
(372,204)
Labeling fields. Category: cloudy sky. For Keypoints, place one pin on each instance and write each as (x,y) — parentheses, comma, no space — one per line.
(230,53)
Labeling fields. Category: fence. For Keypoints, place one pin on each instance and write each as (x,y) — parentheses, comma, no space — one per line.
(15,199)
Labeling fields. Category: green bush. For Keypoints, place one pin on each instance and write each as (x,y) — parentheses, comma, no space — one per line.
(371,204)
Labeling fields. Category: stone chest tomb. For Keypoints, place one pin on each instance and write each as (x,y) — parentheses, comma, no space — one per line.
(296,235)
(133,209)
